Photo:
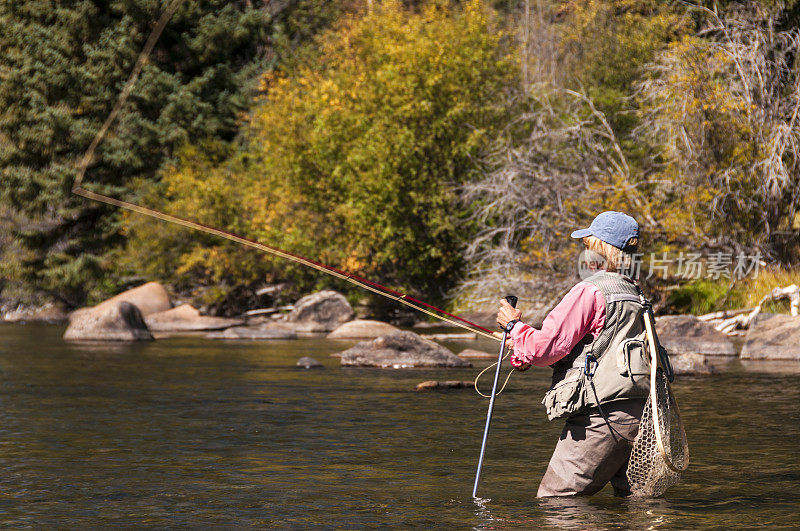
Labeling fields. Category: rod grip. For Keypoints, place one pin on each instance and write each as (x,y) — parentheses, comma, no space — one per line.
(512,300)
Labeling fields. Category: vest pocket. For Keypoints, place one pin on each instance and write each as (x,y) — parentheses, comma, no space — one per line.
(632,358)
(567,397)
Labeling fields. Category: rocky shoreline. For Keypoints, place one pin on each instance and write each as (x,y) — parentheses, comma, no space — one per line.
(146,312)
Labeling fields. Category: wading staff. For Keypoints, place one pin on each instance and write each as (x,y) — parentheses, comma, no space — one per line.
(512,300)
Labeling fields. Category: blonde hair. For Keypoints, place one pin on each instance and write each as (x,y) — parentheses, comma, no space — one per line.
(616,259)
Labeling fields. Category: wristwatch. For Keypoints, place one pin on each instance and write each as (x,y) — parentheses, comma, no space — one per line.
(510,325)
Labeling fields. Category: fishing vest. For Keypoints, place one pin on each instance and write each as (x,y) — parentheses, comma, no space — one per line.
(613,366)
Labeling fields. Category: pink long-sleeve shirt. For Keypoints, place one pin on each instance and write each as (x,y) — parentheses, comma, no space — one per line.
(582,311)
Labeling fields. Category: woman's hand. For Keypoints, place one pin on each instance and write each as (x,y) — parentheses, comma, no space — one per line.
(507,313)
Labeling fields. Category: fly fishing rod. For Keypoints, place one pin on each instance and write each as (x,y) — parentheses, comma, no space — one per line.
(512,300)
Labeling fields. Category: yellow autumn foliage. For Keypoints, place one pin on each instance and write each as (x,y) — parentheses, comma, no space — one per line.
(351,156)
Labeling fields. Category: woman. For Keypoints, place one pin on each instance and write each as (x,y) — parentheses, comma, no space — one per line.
(594,341)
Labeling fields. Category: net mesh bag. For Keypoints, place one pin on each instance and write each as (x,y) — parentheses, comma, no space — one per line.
(652,471)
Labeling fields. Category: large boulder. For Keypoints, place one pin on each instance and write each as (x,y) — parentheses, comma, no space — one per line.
(362,329)
(186,318)
(250,332)
(773,337)
(400,350)
(686,334)
(114,321)
(323,311)
(150,298)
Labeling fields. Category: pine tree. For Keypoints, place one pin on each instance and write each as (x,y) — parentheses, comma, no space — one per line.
(63,65)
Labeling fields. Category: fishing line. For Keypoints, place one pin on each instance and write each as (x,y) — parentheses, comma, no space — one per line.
(88,157)
(475,383)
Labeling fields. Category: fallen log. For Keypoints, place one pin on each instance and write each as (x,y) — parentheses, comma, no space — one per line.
(731,321)
(267,311)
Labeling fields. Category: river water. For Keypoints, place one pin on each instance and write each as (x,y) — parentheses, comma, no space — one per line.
(188,432)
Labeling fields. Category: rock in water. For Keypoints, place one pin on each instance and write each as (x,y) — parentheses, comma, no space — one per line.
(308,363)
(400,350)
(49,313)
(120,318)
(471,353)
(110,321)
(362,329)
(773,337)
(323,311)
(691,365)
(248,332)
(150,298)
(686,334)
(433,385)
(186,318)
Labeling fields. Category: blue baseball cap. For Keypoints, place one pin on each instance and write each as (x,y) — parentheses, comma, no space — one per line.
(611,227)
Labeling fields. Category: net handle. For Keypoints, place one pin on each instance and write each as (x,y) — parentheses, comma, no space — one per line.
(655,364)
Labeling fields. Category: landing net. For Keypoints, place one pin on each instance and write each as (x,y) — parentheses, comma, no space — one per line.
(660,451)
(650,471)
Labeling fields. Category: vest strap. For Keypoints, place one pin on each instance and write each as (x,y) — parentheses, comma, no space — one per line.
(618,297)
